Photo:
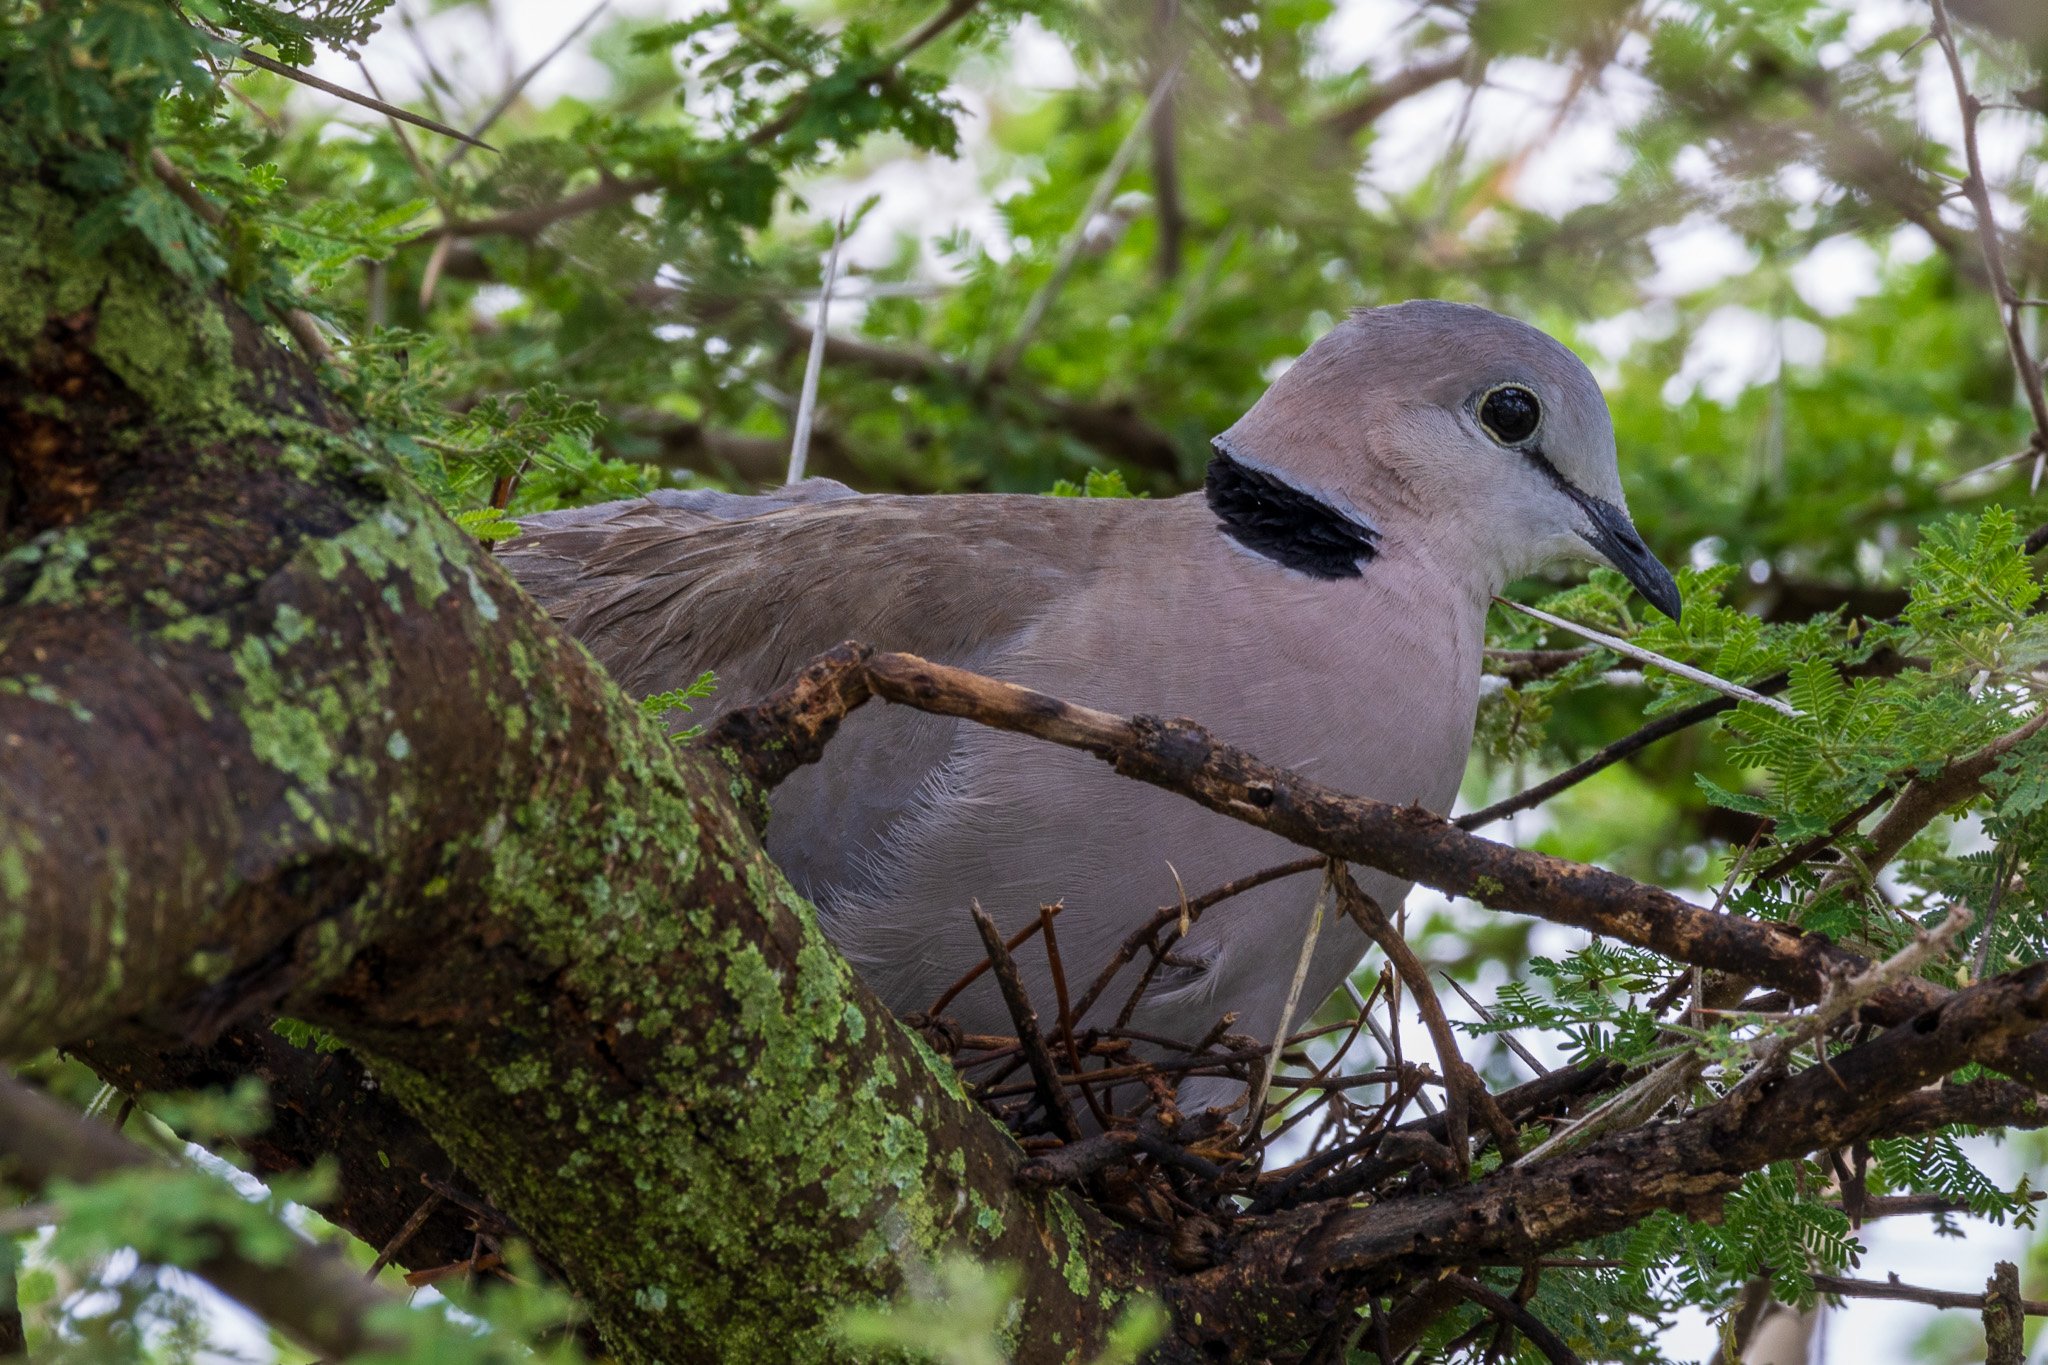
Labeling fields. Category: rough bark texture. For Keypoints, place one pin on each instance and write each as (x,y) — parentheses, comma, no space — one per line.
(277,735)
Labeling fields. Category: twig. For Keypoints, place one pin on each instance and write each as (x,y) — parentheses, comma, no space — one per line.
(1465,1092)
(1167,211)
(1348,120)
(611,191)
(406,1232)
(1606,758)
(1486,1016)
(974,973)
(518,86)
(297,321)
(1649,656)
(1532,665)
(1035,1054)
(1390,1045)
(814,364)
(1059,987)
(1076,1161)
(1255,1112)
(1070,249)
(1774,1052)
(1525,1322)
(342,92)
(2002,868)
(1190,910)
(1215,1064)
(1979,194)
(1894,1288)
(420,1279)
(1924,798)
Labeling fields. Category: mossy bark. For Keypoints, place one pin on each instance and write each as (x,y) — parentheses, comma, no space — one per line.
(278,736)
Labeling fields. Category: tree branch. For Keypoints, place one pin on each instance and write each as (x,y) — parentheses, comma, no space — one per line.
(1892,1288)
(1408,841)
(312,1294)
(1349,120)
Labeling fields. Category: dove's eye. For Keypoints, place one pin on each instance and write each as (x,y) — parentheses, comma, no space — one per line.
(1510,413)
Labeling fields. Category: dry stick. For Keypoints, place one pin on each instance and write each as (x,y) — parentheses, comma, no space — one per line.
(1532,665)
(519,84)
(1390,1044)
(1893,1288)
(974,973)
(1320,1078)
(1463,1089)
(1606,758)
(431,276)
(1978,192)
(1070,250)
(1216,1064)
(1924,798)
(1650,656)
(1486,1017)
(1192,911)
(342,92)
(814,363)
(1348,120)
(1525,1322)
(1036,1056)
(405,1233)
(1059,988)
(311,1294)
(1793,857)
(1255,1112)
(2002,869)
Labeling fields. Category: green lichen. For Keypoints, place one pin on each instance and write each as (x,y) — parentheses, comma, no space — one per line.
(14,878)
(168,346)
(1075,1233)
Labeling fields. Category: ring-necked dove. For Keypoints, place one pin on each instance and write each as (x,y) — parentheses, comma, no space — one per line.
(1322,603)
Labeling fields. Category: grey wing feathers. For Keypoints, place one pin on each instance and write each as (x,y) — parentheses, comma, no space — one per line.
(660,590)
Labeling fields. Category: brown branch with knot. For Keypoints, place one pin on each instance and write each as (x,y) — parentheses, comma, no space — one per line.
(774,738)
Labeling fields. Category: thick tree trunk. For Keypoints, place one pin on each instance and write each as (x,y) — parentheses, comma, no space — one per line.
(278,736)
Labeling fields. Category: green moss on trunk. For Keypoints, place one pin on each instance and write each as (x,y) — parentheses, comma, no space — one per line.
(332,760)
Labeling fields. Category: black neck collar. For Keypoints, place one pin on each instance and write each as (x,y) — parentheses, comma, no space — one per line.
(1279,522)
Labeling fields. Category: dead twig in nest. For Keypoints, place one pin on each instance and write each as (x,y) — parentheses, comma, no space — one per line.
(1467,1093)
(1036,1055)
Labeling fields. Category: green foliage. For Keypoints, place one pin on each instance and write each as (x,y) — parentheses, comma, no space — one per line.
(1097,483)
(966,1313)
(658,706)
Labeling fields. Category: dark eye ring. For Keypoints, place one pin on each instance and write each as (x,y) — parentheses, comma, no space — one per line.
(1510,413)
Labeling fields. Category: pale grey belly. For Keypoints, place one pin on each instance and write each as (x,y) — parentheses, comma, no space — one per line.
(1014,823)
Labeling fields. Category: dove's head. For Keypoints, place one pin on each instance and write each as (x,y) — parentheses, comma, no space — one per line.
(1479,435)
